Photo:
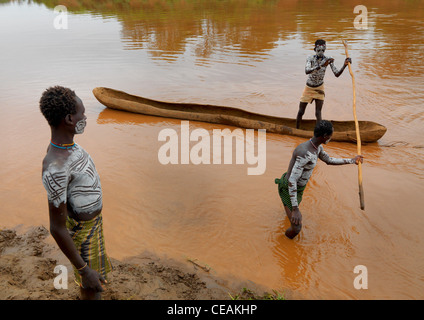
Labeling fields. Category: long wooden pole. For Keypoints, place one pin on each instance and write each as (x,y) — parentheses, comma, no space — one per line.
(358,136)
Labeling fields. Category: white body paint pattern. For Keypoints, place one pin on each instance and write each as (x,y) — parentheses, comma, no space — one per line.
(75,182)
(316,77)
(303,167)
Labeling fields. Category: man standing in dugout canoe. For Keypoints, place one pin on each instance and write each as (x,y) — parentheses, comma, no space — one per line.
(74,192)
(293,182)
(314,89)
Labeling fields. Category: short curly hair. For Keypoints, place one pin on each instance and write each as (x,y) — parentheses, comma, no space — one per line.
(320,42)
(324,127)
(57,102)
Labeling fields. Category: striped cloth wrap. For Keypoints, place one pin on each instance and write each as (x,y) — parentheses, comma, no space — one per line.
(89,240)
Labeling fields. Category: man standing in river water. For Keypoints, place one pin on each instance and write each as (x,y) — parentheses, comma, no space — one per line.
(314,89)
(293,182)
(74,192)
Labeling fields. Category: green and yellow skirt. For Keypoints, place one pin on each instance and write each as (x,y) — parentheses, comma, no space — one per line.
(89,240)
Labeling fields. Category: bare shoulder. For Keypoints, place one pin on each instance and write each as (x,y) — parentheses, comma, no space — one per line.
(301,150)
(54,160)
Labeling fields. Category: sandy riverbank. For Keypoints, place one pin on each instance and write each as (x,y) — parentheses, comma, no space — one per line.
(27,262)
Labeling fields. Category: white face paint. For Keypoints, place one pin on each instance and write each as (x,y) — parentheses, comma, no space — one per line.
(320,50)
(326,142)
(80,126)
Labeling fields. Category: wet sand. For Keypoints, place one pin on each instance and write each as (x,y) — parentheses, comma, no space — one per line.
(27,273)
(244,54)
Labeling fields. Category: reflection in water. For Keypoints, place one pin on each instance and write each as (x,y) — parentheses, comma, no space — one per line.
(110,116)
(247,32)
(167,27)
(237,53)
(375,153)
(295,262)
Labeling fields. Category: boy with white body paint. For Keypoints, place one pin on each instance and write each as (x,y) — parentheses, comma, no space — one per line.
(74,192)
(315,68)
(304,159)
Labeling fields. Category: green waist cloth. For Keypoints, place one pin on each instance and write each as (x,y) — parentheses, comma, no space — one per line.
(89,239)
(283,191)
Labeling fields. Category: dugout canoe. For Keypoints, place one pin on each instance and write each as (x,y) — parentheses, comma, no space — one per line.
(343,130)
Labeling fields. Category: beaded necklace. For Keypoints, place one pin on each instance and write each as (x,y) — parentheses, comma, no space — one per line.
(63,146)
(313,144)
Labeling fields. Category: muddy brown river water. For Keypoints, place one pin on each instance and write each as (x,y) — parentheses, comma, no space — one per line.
(243,54)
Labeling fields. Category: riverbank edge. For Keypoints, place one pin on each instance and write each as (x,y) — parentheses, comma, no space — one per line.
(29,267)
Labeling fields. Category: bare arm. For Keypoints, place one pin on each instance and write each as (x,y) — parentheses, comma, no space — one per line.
(61,235)
(325,62)
(309,68)
(90,278)
(336,161)
(295,174)
(338,72)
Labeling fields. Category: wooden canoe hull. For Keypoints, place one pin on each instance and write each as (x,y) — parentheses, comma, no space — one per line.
(343,130)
